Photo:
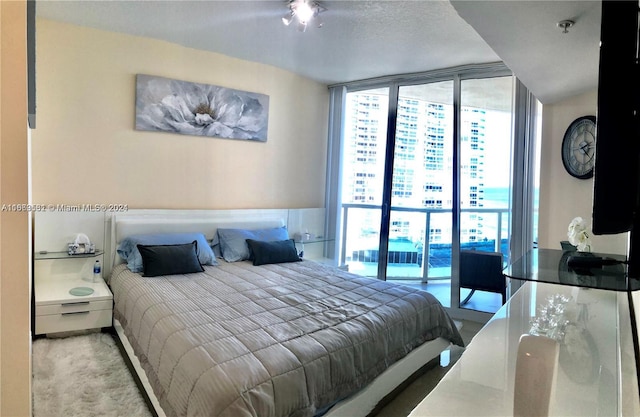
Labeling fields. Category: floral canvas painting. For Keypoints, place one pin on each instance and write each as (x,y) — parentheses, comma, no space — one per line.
(168,105)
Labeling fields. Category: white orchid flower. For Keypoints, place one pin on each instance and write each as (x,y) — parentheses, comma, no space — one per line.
(578,234)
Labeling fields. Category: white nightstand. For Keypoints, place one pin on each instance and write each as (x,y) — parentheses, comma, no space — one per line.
(56,309)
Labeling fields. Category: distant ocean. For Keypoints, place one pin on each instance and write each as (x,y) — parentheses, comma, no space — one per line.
(496,197)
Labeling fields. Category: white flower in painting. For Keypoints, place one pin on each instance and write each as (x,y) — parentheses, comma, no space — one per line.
(578,234)
(199,109)
(203,119)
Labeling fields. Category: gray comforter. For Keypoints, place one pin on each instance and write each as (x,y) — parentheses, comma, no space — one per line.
(275,340)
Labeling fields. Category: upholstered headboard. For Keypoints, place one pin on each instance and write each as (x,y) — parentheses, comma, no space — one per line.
(54,230)
(186,221)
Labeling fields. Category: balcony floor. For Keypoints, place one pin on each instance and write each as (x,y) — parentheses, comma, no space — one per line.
(439,286)
(481,301)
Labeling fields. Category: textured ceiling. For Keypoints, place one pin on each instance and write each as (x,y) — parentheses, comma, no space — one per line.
(552,64)
(367,39)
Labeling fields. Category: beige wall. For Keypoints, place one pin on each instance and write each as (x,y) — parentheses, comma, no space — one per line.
(563,197)
(15,340)
(85,148)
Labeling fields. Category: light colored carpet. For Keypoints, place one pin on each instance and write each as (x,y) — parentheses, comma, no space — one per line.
(83,376)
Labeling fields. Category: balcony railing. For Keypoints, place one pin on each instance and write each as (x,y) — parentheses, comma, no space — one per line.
(405,256)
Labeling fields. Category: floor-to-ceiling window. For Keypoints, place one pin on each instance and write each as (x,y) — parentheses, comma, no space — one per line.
(425,171)
(420,232)
(486,136)
(365,133)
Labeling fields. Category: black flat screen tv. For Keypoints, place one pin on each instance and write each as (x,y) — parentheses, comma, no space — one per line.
(616,192)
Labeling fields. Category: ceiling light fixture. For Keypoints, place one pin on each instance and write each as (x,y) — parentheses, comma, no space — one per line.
(565,25)
(304,11)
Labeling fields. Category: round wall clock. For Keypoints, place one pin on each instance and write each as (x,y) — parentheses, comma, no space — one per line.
(578,147)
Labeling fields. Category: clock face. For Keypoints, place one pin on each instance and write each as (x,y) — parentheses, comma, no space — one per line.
(578,147)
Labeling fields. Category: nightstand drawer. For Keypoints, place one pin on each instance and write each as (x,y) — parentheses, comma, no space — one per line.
(72,307)
(74,320)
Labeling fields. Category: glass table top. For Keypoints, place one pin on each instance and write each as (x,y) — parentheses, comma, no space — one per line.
(576,269)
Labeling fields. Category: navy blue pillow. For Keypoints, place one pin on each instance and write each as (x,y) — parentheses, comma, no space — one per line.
(233,242)
(273,252)
(169,259)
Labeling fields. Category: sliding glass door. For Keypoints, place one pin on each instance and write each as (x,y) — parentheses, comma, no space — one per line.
(425,172)
(419,245)
(486,122)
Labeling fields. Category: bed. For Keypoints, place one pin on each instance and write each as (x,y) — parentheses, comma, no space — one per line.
(281,339)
